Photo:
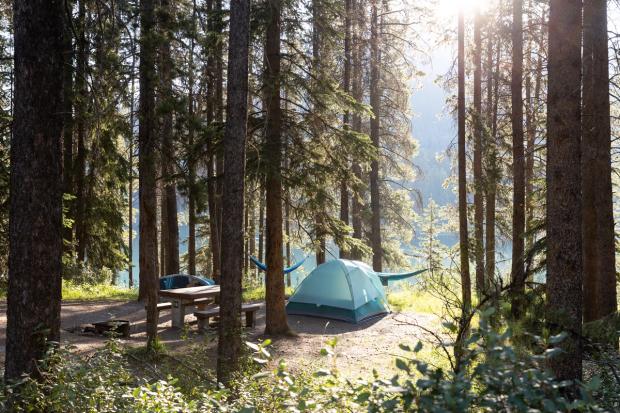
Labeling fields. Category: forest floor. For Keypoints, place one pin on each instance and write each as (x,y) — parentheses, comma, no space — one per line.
(361,348)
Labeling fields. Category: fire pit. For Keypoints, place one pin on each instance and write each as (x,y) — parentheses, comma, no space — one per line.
(115,327)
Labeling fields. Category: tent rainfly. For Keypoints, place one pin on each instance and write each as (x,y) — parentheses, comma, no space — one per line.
(343,290)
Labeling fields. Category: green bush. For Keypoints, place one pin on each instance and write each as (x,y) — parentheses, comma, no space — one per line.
(492,377)
(80,273)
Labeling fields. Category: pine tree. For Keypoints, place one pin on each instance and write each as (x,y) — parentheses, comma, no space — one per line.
(518,162)
(229,343)
(600,297)
(375,103)
(147,169)
(275,319)
(35,232)
(463,231)
(478,184)
(564,245)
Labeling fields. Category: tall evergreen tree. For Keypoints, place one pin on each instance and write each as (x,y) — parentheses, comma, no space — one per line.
(462,177)
(564,245)
(229,343)
(276,322)
(170,226)
(478,184)
(147,169)
(518,162)
(35,229)
(375,103)
(599,263)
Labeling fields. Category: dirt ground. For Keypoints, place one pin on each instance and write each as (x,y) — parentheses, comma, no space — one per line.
(360,349)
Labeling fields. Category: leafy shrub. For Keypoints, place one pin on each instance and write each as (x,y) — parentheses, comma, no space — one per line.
(492,377)
(80,273)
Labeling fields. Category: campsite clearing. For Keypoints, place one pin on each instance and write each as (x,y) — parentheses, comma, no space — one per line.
(377,338)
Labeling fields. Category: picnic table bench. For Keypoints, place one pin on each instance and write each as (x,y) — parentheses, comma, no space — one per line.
(180,298)
(249,310)
(167,305)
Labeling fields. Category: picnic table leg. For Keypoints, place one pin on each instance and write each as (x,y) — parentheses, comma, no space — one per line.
(178,313)
(249,319)
(203,323)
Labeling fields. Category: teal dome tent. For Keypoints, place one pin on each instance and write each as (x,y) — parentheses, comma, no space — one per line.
(343,290)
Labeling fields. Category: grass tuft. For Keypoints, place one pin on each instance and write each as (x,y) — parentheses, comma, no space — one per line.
(257,293)
(411,299)
(74,292)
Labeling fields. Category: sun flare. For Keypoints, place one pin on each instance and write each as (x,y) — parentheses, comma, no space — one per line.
(450,8)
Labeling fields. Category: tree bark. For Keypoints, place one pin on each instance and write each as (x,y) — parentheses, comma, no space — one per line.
(191,196)
(492,170)
(147,169)
(219,27)
(346,86)
(67,132)
(533,102)
(518,163)
(131,176)
(356,122)
(317,128)
(171,224)
(462,171)
(375,103)
(598,223)
(163,218)
(564,246)
(35,214)
(261,223)
(478,184)
(212,187)
(81,112)
(275,320)
(229,343)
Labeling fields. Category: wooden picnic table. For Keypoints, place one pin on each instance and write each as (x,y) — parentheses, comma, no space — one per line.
(186,297)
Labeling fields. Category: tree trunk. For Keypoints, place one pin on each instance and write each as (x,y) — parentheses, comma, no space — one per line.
(518,163)
(287,231)
(81,112)
(319,250)
(163,233)
(246,238)
(533,103)
(317,128)
(170,225)
(275,319)
(219,27)
(67,132)
(35,227)
(478,184)
(598,224)
(564,246)
(147,169)
(375,102)
(191,193)
(261,223)
(462,171)
(229,343)
(131,177)
(212,187)
(356,124)
(252,207)
(492,170)
(346,86)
